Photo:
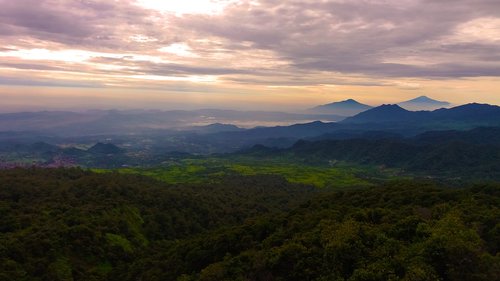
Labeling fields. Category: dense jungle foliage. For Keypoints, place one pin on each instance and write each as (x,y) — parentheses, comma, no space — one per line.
(73,224)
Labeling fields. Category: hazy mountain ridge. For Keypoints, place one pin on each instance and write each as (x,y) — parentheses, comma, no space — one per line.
(94,122)
(348,107)
(123,122)
(472,114)
(423,103)
(351,107)
(387,121)
(214,128)
(105,148)
(481,135)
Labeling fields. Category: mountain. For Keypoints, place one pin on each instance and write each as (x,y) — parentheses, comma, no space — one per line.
(105,148)
(215,128)
(352,107)
(448,154)
(460,117)
(106,122)
(345,134)
(43,147)
(348,107)
(278,136)
(480,135)
(383,122)
(385,113)
(423,103)
(472,112)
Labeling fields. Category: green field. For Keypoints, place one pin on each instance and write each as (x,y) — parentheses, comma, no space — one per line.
(206,169)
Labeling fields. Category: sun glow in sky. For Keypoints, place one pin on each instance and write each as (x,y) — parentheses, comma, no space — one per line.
(186,7)
(247,54)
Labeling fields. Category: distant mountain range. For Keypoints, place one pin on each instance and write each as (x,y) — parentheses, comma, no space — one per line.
(214,128)
(386,121)
(151,131)
(352,107)
(98,122)
(384,113)
(423,103)
(348,107)
(105,148)
(464,116)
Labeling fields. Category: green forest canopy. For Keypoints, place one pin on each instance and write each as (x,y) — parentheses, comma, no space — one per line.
(72,224)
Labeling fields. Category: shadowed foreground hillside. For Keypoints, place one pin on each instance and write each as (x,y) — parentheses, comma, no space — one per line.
(70,224)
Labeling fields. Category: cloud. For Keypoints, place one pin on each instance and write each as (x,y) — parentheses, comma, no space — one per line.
(30,66)
(17,81)
(359,36)
(77,23)
(363,42)
(153,68)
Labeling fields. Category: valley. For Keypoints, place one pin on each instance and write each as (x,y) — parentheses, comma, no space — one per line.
(249,140)
(387,194)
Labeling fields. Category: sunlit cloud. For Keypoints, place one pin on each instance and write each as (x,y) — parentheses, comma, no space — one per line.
(316,49)
(187,7)
(179,49)
(191,78)
(51,55)
(480,29)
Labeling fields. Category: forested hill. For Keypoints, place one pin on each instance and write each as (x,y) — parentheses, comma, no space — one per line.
(58,223)
(464,116)
(473,154)
(450,159)
(70,224)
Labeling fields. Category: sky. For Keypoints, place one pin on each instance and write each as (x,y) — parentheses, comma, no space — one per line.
(272,55)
